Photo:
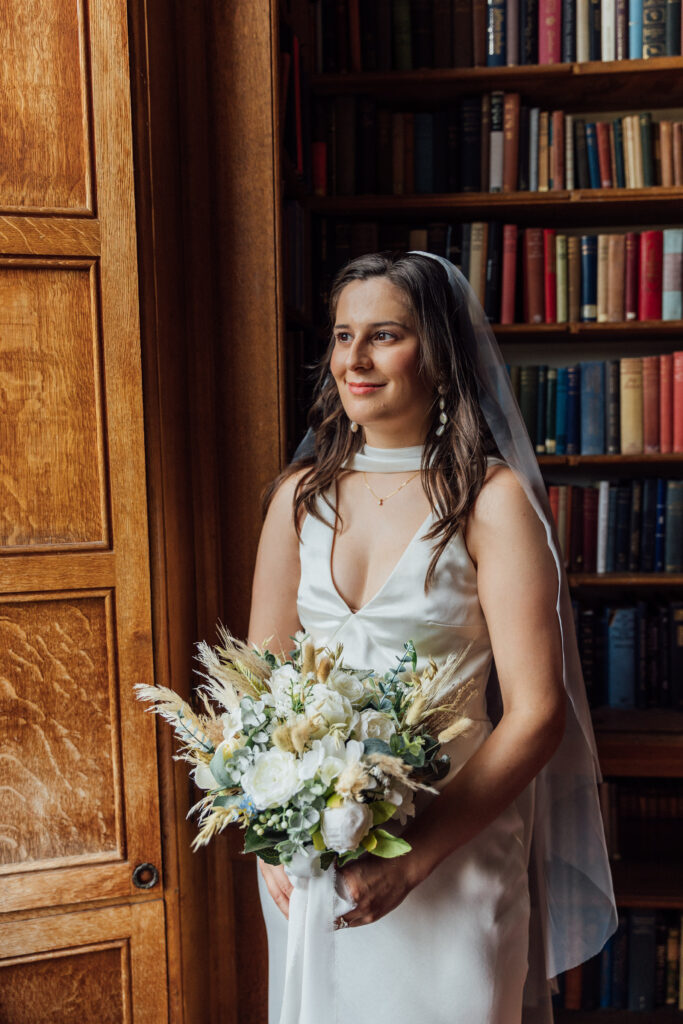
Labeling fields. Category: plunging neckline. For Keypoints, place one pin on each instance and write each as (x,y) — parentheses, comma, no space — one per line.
(378,593)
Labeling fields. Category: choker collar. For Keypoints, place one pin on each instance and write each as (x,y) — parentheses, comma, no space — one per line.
(386,460)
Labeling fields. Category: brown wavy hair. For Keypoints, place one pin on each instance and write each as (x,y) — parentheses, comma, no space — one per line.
(453,465)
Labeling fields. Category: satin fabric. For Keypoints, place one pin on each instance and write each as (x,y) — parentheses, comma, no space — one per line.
(455,950)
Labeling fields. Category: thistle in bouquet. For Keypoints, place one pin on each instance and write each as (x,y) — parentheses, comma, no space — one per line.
(309,755)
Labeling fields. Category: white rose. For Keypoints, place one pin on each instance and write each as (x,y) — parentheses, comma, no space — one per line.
(343,827)
(333,709)
(273,779)
(375,725)
(347,685)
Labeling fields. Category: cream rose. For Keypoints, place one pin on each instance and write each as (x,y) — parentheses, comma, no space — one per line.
(375,725)
(343,827)
(273,779)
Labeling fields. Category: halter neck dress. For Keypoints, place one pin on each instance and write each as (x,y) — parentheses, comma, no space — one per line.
(455,950)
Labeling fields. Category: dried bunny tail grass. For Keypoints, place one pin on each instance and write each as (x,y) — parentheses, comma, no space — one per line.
(188,726)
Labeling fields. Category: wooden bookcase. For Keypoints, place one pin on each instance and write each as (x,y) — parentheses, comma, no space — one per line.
(646,744)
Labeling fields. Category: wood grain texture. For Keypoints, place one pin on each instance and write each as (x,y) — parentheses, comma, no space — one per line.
(43,236)
(44,107)
(57,738)
(52,471)
(70,989)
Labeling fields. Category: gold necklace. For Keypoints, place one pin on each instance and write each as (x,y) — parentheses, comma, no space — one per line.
(380,501)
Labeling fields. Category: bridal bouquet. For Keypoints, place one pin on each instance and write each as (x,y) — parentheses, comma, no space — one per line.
(308,755)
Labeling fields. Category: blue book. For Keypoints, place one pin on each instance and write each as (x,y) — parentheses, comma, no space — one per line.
(611,552)
(647,526)
(641,959)
(660,526)
(589,278)
(496,56)
(592,408)
(573,413)
(606,963)
(635,29)
(673,528)
(541,399)
(561,412)
(621,652)
(592,152)
(424,152)
(619,167)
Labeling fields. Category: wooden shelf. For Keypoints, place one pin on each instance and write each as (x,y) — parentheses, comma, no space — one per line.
(593,85)
(649,459)
(625,579)
(664,1015)
(600,205)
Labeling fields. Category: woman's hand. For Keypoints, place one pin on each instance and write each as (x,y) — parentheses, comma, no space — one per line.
(279,885)
(377,886)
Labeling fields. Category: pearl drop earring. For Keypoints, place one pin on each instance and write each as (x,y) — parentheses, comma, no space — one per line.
(354,427)
(443,418)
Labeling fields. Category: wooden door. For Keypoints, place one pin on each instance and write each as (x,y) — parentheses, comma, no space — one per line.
(79,940)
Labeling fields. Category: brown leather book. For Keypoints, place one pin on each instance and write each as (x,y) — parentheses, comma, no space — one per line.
(651,403)
(616,268)
(509,274)
(557,167)
(666,155)
(604,157)
(511,141)
(532,256)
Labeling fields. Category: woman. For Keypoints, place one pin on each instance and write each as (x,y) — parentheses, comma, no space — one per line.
(421,515)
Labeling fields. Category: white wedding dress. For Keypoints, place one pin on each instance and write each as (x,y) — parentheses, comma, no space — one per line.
(455,950)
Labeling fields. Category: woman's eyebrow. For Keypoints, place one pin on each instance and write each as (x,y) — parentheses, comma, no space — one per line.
(382,323)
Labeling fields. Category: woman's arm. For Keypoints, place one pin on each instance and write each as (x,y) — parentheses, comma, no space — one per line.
(274,614)
(517,586)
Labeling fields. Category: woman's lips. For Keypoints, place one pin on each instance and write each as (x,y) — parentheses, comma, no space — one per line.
(363,388)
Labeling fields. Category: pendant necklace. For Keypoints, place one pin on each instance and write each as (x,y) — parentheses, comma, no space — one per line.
(380,501)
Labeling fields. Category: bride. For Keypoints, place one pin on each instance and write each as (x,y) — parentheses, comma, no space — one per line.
(419,513)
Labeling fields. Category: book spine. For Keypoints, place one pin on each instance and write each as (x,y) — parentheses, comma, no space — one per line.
(496,142)
(509,275)
(589,267)
(534,311)
(549,31)
(631,405)
(677,401)
(650,284)
(672,274)
(550,275)
(666,397)
(650,404)
(495,34)
(592,376)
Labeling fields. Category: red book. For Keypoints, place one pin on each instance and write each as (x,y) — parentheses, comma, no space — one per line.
(532,254)
(509,275)
(678,402)
(650,403)
(631,286)
(550,275)
(650,284)
(666,402)
(549,31)
(590,529)
(604,155)
(558,154)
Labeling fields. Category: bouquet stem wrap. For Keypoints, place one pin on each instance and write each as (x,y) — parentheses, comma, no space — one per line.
(314,904)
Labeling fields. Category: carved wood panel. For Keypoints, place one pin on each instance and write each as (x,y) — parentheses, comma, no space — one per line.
(52,465)
(44,89)
(59,777)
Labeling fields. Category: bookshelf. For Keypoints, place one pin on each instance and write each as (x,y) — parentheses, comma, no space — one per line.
(632,743)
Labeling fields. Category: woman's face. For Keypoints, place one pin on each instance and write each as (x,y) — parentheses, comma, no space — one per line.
(375,364)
